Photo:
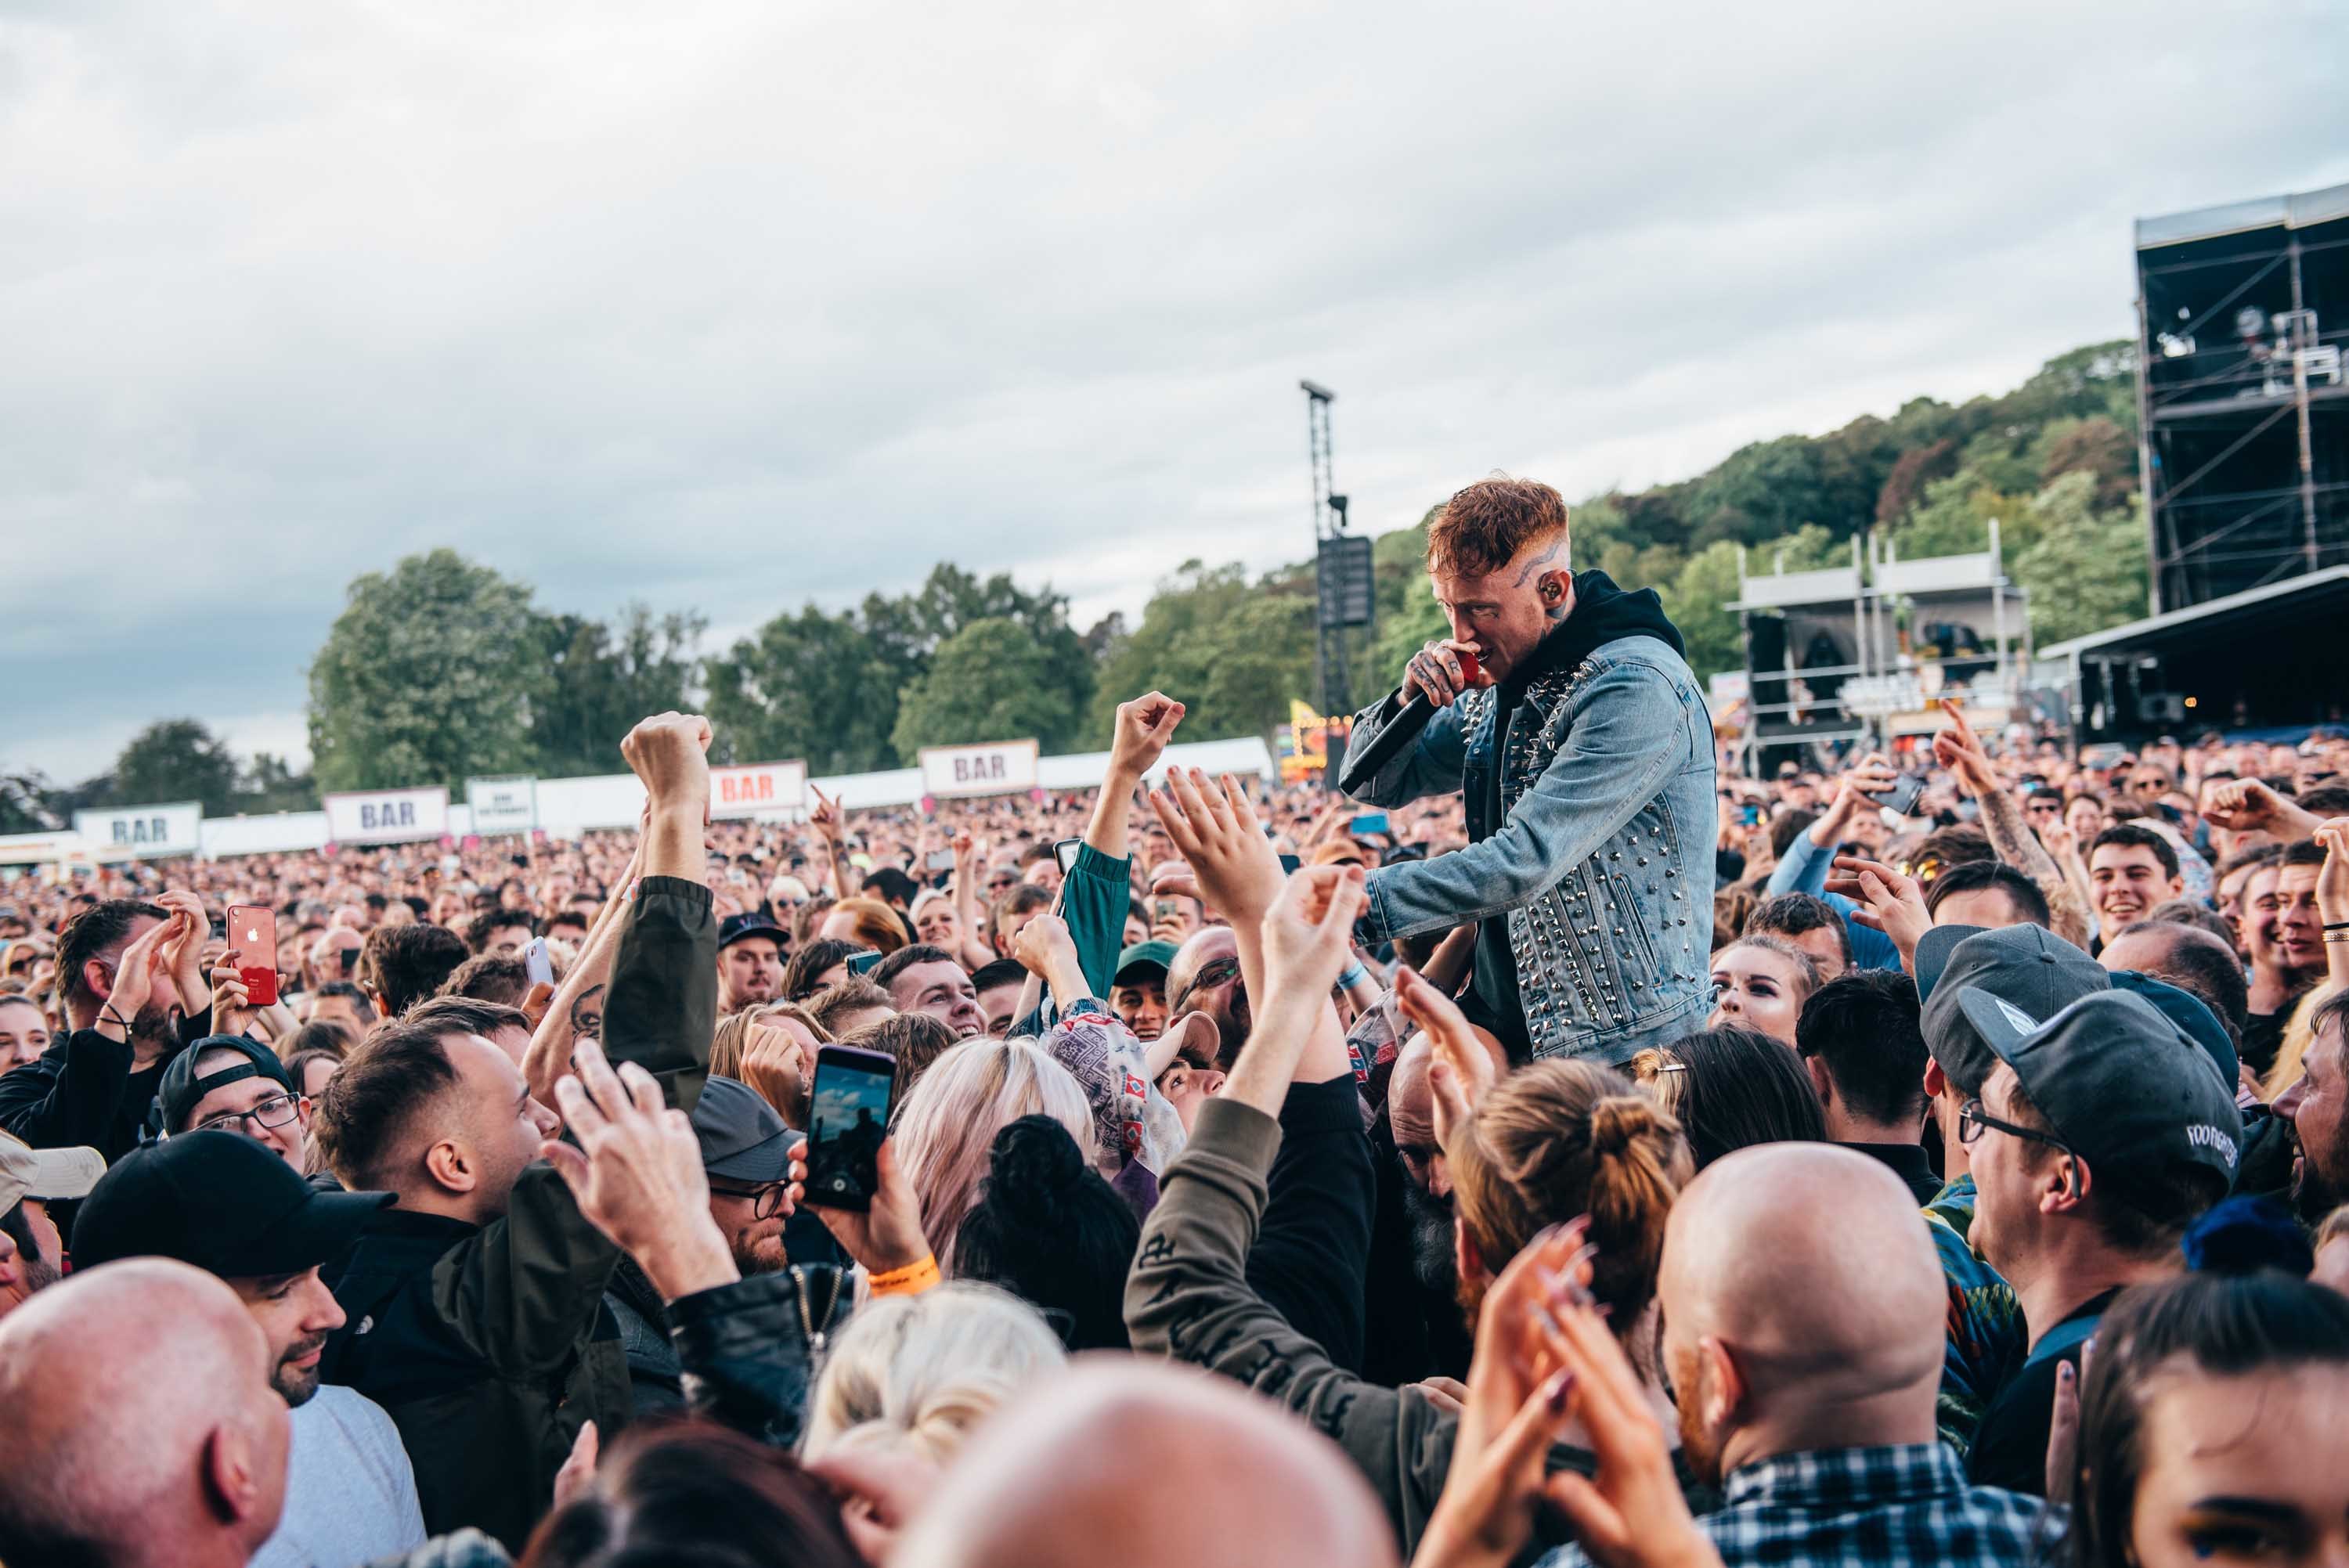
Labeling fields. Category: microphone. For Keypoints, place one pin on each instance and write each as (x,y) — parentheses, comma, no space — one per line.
(1400,733)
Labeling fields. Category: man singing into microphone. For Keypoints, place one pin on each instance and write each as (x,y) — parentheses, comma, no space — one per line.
(1584,751)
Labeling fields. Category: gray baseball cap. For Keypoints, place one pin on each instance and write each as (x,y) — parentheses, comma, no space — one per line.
(2028,965)
(742,1138)
(2124,1089)
(47,1173)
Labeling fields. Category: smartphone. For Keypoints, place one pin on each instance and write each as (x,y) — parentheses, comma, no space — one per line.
(864,963)
(538,963)
(943,861)
(350,961)
(1750,814)
(253,932)
(1065,852)
(1165,909)
(848,1116)
(1289,864)
(1901,798)
(1370,823)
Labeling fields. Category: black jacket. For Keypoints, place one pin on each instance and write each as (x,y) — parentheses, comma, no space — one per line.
(82,1092)
(745,1348)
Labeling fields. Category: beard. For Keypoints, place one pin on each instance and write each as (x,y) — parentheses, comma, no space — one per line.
(1229,1010)
(2313,1197)
(294,1384)
(1433,1261)
(156,1026)
(757,1253)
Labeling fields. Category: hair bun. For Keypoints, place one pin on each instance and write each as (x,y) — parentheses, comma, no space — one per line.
(1616,1120)
(1033,1165)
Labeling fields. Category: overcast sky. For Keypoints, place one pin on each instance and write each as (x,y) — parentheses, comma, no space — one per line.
(728,305)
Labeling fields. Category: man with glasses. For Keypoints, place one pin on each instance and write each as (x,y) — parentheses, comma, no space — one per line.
(227,1083)
(2102,1133)
(746,1154)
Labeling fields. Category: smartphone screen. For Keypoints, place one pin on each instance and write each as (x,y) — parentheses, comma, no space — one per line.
(1901,798)
(1370,823)
(848,1116)
(1750,814)
(1290,864)
(253,934)
(862,963)
(538,963)
(943,861)
(1065,852)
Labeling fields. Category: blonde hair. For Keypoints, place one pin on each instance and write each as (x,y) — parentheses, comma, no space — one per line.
(1559,1138)
(733,1034)
(2298,1033)
(946,1130)
(922,1370)
(878,926)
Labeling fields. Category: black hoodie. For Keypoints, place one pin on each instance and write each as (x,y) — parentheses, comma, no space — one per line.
(1602,613)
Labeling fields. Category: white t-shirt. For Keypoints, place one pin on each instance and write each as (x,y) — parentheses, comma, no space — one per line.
(350,1492)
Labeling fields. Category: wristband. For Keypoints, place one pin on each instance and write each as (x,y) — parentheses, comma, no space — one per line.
(911,1280)
(108,1014)
(1355,974)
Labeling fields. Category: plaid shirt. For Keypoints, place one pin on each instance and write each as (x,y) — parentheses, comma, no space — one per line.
(1907,1506)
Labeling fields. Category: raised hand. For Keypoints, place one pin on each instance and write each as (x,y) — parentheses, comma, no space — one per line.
(231,1003)
(1960,750)
(825,817)
(1215,830)
(184,948)
(1892,902)
(671,752)
(1309,929)
(776,1063)
(637,1175)
(1141,732)
(134,979)
(1463,1068)
(885,1237)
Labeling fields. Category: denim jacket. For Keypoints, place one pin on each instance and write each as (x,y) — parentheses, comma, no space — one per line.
(1604,861)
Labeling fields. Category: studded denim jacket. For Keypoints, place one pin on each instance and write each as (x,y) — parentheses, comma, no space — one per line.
(1603,861)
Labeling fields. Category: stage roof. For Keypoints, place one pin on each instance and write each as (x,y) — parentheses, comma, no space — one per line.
(2295,212)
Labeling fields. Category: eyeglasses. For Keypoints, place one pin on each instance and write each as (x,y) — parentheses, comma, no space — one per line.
(1972,1119)
(766,1201)
(276,1111)
(1210,976)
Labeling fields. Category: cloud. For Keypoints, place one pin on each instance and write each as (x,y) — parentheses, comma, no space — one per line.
(728,305)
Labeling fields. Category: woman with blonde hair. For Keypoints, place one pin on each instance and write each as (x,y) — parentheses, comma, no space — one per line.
(866,922)
(946,1130)
(920,1371)
(771,1047)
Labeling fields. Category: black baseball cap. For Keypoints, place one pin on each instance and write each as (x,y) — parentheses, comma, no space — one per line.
(2123,1087)
(742,1138)
(180,1090)
(2027,966)
(2190,1013)
(227,1203)
(735,927)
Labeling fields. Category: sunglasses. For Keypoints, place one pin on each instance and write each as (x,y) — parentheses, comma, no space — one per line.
(1221,972)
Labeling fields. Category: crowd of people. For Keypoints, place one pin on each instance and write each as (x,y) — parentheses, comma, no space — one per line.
(1986,1210)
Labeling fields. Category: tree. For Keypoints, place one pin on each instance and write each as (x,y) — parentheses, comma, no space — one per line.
(429,675)
(174,760)
(1696,601)
(811,686)
(270,784)
(2086,570)
(992,680)
(603,679)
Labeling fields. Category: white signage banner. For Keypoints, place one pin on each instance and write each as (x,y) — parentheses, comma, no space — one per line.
(505,804)
(997,767)
(387,816)
(758,789)
(141,832)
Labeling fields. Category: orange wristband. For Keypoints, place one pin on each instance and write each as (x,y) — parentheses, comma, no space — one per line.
(911,1280)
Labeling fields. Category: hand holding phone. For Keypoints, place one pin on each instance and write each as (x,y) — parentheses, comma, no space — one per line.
(1901,798)
(848,1116)
(252,935)
(537,963)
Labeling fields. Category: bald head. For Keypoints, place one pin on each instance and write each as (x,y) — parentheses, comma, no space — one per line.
(1802,1297)
(1133,1452)
(141,1424)
(1410,1097)
(1226,1000)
